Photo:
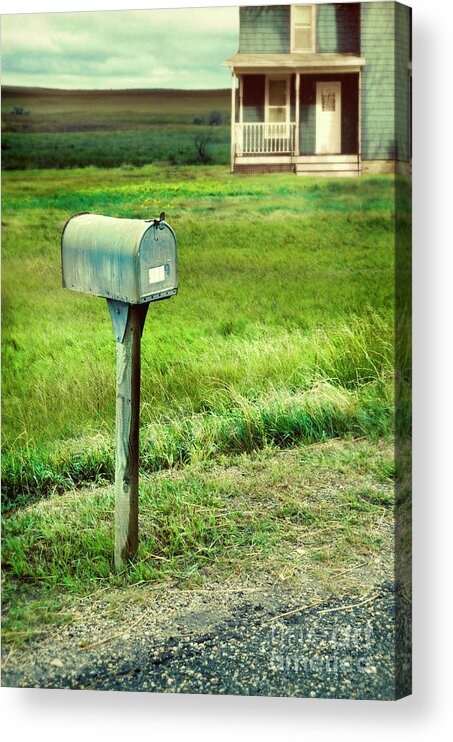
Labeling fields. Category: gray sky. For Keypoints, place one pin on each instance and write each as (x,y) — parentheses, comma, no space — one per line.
(174,48)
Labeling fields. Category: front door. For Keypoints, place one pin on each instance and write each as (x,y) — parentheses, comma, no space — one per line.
(328,118)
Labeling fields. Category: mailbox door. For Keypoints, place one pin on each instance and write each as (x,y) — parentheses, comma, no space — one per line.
(158,270)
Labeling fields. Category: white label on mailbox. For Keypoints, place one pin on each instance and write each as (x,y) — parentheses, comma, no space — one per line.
(155,275)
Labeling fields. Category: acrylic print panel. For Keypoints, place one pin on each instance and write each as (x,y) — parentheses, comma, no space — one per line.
(267,548)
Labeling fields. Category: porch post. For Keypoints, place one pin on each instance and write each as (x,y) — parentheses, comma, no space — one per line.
(296,133)
(233,119)
(241,99)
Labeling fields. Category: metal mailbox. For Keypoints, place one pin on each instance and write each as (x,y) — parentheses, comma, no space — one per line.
(128,260)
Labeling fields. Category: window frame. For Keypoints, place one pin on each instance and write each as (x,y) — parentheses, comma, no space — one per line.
(313,29)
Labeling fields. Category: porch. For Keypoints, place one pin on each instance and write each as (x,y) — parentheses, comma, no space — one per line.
(304,120)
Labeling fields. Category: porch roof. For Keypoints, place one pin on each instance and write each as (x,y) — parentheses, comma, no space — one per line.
(242,62)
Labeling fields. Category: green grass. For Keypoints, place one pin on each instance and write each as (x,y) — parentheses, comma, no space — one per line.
(182,522)
(282,331)
(174,144)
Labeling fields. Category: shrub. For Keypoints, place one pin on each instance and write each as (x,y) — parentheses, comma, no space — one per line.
(202,142)
(215,118)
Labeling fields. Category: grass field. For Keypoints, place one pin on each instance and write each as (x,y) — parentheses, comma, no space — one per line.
(67,128)
(282,331)
(267,383)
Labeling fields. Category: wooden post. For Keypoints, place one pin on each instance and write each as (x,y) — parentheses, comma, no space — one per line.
(296,134)
(233,119)
(127,427)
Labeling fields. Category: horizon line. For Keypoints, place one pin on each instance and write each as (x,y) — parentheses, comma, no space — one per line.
(111,90)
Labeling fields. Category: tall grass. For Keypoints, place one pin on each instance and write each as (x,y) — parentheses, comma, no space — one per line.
(329,385)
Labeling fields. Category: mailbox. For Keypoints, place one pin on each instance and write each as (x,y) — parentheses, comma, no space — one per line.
(128,260)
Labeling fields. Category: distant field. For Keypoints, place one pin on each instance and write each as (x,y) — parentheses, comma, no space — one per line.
(43,128)
(282,331)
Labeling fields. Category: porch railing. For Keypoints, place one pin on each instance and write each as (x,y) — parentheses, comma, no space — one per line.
(264,139)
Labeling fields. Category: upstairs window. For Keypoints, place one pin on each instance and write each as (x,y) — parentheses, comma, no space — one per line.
(303,32)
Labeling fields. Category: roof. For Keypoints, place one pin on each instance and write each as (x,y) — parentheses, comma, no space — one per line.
(292,61)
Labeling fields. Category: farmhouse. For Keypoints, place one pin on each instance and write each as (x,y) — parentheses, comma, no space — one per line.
(322,89)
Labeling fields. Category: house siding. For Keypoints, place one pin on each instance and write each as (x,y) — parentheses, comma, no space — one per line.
(385,81)
(265,29)
(338,29)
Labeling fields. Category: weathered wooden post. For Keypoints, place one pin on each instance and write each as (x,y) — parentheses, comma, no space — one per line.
(128,321)
(131,263)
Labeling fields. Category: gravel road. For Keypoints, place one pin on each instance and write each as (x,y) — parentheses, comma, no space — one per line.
(240,642)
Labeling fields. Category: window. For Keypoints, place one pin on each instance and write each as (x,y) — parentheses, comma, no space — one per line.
(277,100)
(303,34)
